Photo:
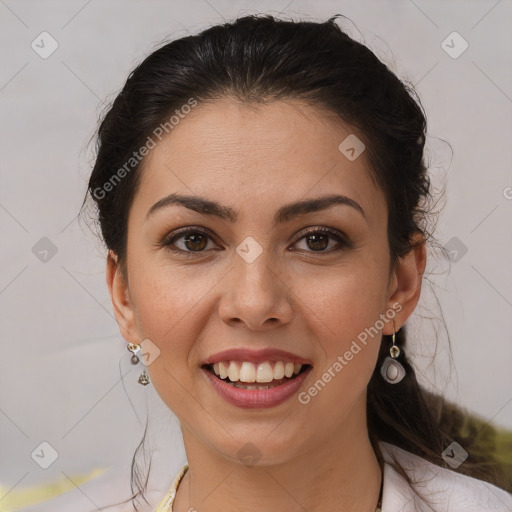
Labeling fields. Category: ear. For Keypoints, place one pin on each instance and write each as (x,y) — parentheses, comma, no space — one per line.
(405,283)
(120,296)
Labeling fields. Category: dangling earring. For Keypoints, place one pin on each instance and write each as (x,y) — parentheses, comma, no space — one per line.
(392,370)
(135,349)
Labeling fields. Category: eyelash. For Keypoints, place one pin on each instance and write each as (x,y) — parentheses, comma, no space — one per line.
(343,242)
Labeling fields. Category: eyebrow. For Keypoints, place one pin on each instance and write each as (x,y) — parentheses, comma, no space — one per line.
(284,214)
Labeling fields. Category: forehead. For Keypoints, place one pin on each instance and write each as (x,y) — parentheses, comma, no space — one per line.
(241,155)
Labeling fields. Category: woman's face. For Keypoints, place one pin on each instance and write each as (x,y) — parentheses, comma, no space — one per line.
(252,280)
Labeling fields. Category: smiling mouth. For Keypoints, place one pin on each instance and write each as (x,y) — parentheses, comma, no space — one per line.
(256,376)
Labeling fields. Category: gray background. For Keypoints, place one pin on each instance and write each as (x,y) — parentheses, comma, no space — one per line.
(62,356)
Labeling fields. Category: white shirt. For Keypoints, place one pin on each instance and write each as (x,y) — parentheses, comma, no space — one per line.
(449,491)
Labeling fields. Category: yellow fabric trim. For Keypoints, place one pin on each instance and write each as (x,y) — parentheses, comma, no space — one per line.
(15,499)
(166,503)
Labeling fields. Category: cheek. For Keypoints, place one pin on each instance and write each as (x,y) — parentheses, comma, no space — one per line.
(344,315)
(349,345)
(164,295)
(166,308)
(348,299)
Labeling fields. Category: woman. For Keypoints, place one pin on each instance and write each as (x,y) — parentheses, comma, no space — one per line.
(263,196)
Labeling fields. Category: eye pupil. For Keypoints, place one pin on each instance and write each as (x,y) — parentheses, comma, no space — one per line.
(194,240)
(317,243)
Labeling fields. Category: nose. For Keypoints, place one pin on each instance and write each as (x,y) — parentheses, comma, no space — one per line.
(257,295)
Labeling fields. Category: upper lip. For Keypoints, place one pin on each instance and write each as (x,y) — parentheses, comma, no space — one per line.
(255,356)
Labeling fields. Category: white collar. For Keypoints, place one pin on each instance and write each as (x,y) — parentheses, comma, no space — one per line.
(448,490)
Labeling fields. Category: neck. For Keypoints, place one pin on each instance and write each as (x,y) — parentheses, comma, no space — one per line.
(340,472)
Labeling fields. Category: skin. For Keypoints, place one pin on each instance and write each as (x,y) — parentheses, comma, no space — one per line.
(314,457)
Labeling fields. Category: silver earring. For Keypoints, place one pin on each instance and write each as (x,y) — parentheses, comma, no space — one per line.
(392,370)
(135,349)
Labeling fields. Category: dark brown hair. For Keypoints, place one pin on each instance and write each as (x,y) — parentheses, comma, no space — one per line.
(260,59)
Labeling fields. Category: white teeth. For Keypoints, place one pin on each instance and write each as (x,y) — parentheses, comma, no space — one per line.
(248,373)
(264,373)
(223,370)
(245,371)
(279,370)
(234,371)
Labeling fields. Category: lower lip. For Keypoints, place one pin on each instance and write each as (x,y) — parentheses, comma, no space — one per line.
(257,398)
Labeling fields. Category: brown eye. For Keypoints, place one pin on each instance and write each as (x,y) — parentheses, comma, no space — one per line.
(195,242)
(317,240)
(189,240)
